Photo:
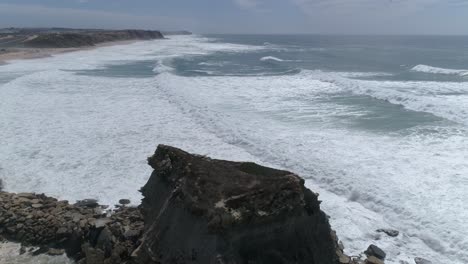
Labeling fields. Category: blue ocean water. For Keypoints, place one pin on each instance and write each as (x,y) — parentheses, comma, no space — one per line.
(376,124)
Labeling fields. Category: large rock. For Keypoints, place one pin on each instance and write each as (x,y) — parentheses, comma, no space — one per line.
(202,210)
(375,251)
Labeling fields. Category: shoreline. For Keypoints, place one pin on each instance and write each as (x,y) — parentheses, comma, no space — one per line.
(13,54)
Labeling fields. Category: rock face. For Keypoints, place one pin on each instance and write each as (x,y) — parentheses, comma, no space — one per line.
(202,210)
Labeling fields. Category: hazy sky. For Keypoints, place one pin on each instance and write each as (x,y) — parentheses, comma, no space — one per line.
(246,16)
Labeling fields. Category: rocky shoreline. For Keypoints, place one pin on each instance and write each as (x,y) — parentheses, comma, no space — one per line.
(195,210)
(58,227)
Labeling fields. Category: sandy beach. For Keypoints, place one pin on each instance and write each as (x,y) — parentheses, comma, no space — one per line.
(10,54)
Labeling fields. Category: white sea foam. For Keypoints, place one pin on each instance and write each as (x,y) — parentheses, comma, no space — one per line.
(211,63)
(75,136)
(10,254)
(276,59)
(436,70)
(161,67)
(444,99)
(396,177)
(271,58)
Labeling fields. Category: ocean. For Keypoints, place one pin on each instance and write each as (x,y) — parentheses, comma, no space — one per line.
(377,125)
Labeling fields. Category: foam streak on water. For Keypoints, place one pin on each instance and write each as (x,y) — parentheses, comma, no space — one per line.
(381,153)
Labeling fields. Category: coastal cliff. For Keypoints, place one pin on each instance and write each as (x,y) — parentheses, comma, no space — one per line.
(202,210)
(83,39)
(195,210)
(68,38)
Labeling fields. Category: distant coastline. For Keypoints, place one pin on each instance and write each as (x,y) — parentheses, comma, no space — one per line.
(30,43)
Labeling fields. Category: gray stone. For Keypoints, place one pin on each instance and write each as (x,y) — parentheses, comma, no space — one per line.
(76,217)
(26,195)
(389,232)
(90,203)
(124,201)
(62,231)
(102,222)
(373,260)
(375,251)
(422,261)
(35,201)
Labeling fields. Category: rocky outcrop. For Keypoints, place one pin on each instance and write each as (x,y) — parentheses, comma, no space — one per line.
(195,210)
(202,210)
(82,231)
(83,39)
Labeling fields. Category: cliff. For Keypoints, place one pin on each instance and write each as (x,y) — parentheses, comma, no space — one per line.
(195,210)
(86,38)
(202,210)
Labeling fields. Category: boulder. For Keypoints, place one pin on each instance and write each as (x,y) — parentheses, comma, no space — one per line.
(375,251)
(389,232)
(202,210)
(124,201)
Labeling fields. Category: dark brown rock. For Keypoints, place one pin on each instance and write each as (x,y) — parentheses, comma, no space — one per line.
(124,201)
(202,210)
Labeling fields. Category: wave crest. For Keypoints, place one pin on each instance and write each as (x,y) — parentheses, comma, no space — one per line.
(436,70)
(271,58)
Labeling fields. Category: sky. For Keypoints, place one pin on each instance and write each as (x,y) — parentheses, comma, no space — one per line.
(446,17)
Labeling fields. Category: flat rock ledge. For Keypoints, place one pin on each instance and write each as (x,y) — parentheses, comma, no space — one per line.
(195,210)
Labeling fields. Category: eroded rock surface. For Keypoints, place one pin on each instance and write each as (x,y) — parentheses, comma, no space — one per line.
(202,210)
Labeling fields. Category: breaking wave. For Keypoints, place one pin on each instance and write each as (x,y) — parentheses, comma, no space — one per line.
(437,70)
(271,58)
